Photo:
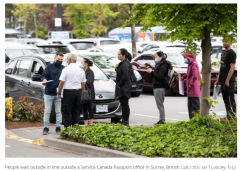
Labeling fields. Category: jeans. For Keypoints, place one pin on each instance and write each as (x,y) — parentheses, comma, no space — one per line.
(48,100)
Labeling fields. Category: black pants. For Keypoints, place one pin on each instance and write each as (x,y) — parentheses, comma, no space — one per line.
(228,98)
(193,106)
(71,107)
(125,108)
(88,109)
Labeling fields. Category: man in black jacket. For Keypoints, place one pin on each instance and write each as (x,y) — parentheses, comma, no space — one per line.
(160,83)
(52,72)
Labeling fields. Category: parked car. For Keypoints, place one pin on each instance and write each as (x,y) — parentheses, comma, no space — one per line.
(32,41)
(107,63)
(50,48)
(216,52)
(23,75)
(14,50)
(142,61)
(143,44)
(162,44)
(104,41)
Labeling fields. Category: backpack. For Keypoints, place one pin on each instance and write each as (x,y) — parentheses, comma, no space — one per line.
(169,78)
(132,75)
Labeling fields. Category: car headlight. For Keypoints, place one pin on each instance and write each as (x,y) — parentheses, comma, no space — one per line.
(138,76)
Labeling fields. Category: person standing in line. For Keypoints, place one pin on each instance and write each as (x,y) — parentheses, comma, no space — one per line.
(192,82)
(160,83)
(88,107)
(72,82)
(226,77)
(52,72)
(124,83)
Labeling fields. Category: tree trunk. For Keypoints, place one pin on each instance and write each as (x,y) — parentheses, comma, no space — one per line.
(133,34)
(35,22)
(206,73)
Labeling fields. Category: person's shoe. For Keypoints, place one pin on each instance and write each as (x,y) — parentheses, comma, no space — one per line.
(160,122)
(58,130)
(126,123)
(45,131)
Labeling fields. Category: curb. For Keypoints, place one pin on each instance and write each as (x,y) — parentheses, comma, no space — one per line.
(87,149)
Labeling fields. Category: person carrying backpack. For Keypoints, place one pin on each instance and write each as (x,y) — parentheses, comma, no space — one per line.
(124,83)
(160,83)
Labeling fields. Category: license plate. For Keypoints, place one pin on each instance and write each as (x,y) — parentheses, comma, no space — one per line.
(101,108)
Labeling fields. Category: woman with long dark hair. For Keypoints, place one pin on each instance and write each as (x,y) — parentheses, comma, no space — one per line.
(87,107)
(124,83)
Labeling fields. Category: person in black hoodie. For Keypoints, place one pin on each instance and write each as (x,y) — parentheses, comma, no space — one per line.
(160,83)
(52,72)
(124,83)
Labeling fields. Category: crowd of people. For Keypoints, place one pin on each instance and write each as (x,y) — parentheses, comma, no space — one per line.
(73,80)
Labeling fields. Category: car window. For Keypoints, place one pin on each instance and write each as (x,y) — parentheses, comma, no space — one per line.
(175,59)
(21,68)
(109,42)
(10,67)
(91,51)
(140,60)
(37,68)
(11,53)
(101,60)
(54,49)
(82,45)
(32,52)
(214,51)
(147,48)
(149,59)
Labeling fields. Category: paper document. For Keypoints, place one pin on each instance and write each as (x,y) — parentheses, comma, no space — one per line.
(44,83)
(216,91)
(181,86)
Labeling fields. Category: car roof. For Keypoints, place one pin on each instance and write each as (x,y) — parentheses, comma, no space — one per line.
(9,45)
(72,40)
(91,53)
(100,38)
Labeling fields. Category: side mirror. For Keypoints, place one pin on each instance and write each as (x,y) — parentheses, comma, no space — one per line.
(139,51)
(36,77)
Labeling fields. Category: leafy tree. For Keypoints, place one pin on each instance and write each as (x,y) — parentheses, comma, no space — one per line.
(49,16)
(189,22)
(23,12)
(100,12)
(11,21)
(79,15)
(42,32)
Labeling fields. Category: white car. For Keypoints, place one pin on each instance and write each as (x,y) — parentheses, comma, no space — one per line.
(49,48)
(15,50)
(104,41)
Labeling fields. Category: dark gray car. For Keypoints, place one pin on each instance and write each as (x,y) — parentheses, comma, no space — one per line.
(23,75)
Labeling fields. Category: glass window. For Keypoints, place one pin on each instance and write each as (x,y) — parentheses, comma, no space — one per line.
(10,67)
(21,68)
(175,59)
(11,53)
(54,49)
(32,52)
(214,51)
(149,59)
(36,69)
(147,48)
(82,45)
(109,42)
(102,61)
(141,60)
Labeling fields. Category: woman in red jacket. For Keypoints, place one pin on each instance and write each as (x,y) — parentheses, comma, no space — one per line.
(193,87)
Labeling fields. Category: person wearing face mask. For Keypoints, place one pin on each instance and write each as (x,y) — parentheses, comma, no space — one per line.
(160,83)
(88,107)
(72,82)
(52,72)
(192,82)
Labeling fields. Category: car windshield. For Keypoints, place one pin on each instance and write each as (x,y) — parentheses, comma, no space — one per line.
(109,42)
(101,60)
(32,52)
(175,58)
(54,49)
(11,53)
(82,45)
(98,73)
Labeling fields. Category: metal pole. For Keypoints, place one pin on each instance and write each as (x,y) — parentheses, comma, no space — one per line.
(59,15)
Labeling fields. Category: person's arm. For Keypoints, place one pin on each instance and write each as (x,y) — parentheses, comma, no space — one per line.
(125,74)
(160,75)
(62,82)
(194,75)
(89,78)
(231,71)
(83,81)
(83,87)
(45,75)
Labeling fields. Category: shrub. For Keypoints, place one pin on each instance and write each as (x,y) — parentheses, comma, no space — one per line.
(8,112)
(199,137)
(25,110)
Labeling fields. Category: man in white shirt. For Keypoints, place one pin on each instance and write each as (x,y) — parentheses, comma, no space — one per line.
(72,81)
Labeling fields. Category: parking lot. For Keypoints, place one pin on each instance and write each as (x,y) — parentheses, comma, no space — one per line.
(143,109)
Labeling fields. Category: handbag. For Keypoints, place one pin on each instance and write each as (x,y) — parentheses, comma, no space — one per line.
(86,95)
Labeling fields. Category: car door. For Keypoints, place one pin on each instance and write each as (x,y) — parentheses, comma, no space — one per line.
(35,89)
(141,68)
(17,80)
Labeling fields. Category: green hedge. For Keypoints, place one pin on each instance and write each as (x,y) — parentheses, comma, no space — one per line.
(199,137)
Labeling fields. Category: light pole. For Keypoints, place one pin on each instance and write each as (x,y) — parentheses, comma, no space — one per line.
(59,15)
